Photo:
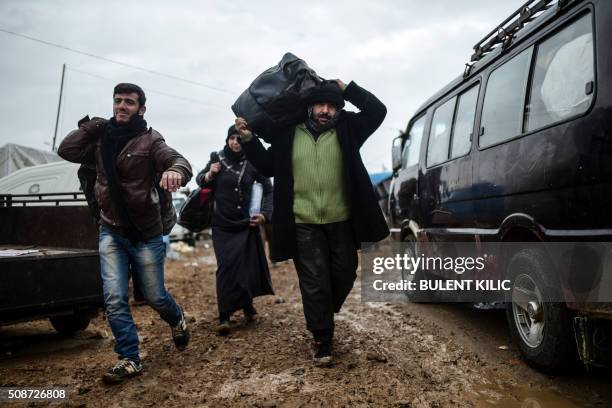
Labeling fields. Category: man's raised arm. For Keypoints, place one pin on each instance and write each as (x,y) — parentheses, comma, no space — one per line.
(371,113)
(256,153)
(80,144)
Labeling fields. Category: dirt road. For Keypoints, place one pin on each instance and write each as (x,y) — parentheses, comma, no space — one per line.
(396,355)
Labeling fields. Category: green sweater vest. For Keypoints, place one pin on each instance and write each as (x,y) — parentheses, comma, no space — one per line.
(319,195)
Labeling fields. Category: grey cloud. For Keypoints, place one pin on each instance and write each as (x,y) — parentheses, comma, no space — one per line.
(402,51)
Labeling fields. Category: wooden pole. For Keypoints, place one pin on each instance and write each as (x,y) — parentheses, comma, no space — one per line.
(59,108)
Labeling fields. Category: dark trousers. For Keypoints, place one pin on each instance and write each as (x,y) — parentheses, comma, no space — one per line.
(326,261)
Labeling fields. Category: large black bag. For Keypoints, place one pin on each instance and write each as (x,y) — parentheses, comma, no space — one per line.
(196,212)
(274,98)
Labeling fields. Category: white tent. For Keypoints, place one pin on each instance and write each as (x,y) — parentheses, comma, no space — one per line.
(14,157)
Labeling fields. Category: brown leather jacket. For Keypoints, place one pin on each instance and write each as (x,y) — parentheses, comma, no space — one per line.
(140,162)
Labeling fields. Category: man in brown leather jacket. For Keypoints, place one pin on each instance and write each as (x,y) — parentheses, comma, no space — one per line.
(129,158)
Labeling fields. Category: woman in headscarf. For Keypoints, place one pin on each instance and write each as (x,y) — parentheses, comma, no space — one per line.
(242,269)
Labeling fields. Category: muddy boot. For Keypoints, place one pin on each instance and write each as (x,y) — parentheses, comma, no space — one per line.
(124,369)
(224,328)
(180,334)
(322,353)
(224,324)
(249,314)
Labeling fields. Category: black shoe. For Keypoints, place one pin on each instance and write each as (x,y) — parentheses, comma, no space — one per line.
(224,328)
(180,334)
(249,314)
(322,353)
(125,368)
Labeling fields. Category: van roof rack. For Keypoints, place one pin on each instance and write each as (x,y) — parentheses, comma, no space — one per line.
(504,33)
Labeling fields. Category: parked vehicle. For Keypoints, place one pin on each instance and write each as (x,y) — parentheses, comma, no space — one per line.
(381,182)
(61,177)
(56,177)
(52,269)
(180,233)
(517,149)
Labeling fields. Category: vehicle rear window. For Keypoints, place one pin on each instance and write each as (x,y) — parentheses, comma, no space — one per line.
(502,112)
(464,122)
(439,135)
(563,76)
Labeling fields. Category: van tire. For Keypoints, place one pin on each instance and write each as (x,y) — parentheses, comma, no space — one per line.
(67,325)
(542,331)
(416,296)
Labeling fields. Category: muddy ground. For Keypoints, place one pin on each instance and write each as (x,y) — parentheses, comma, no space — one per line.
(396,355)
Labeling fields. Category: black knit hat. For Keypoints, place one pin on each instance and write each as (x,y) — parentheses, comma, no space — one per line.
(231,131)
(327,91)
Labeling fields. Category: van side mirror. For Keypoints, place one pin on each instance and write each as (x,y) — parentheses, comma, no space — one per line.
(396,153)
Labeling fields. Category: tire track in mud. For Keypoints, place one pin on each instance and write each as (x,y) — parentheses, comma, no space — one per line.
(436,369)
(385,355)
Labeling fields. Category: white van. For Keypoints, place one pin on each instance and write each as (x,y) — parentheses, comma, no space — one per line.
(56,177)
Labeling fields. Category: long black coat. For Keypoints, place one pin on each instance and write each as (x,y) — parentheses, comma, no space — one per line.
(242,268)
(352,129)
(231,212)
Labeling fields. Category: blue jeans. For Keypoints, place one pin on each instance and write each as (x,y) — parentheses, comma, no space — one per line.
(117,253)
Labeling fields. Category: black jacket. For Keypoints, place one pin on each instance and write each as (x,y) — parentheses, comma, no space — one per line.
(353,129)
(231,210)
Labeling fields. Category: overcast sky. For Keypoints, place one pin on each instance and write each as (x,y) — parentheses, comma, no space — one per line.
(402,51)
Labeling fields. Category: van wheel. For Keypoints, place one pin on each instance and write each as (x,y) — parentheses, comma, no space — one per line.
(69,324)
(418,275)
(540,328)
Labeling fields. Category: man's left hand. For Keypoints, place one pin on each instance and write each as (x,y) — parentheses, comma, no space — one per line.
(171,180)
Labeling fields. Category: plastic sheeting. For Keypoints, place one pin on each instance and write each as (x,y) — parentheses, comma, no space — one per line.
(14,157)
(564,94)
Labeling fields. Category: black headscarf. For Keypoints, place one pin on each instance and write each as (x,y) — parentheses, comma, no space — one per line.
(228,152)
(116,137)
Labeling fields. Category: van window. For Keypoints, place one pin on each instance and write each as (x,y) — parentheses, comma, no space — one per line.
(439,134)
(412,148)
(464,122)
(563,76)
(502,112)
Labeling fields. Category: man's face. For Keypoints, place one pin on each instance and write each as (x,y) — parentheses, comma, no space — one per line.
(126,105)
(234,144)
(323,112)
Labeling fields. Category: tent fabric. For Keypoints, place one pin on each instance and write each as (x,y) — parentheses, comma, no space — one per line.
(14,157)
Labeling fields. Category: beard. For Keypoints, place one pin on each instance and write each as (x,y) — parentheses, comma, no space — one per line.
(129,119)
(314,121)
(323,118)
